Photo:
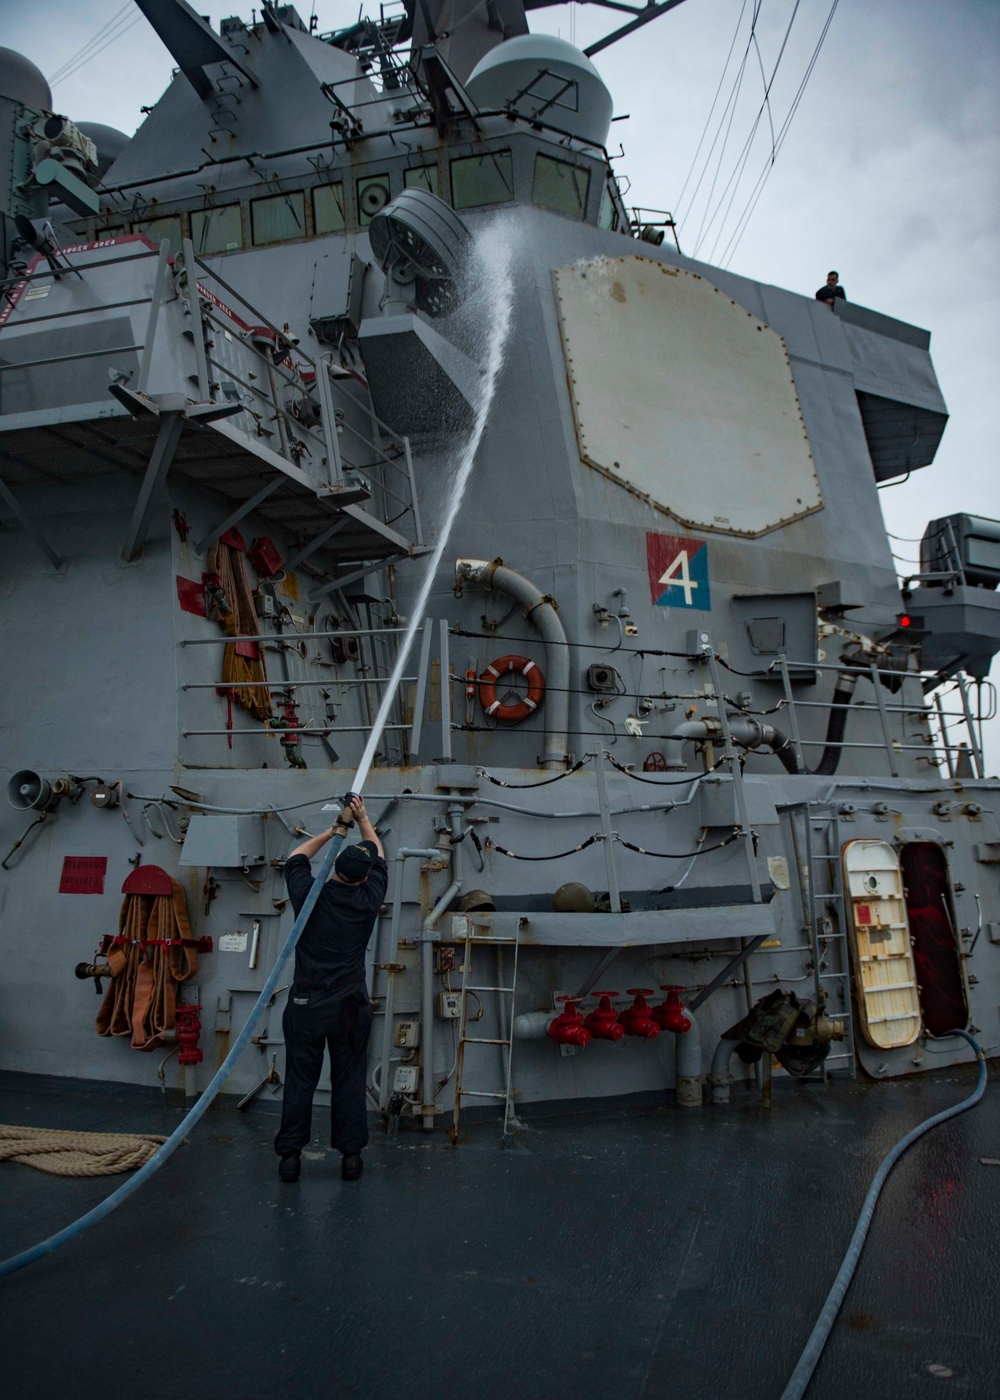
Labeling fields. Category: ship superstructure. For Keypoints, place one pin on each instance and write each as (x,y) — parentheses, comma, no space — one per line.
(676,774)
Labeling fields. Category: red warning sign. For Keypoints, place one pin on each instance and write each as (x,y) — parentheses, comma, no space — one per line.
(83,875)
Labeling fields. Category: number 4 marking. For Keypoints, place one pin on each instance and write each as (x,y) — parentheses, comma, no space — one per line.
(684,581)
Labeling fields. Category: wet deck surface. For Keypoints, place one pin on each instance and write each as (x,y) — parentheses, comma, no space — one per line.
(630,1252)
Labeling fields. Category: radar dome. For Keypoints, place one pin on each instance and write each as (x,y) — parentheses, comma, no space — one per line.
(21,81)
(110,143)
(530,73)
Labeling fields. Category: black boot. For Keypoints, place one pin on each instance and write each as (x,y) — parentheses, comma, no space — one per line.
(352,1167)
(290,1166)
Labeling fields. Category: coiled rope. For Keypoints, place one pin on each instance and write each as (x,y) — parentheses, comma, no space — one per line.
(67,1153)
(195,1114)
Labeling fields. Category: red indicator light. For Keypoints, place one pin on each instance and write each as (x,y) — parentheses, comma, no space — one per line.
(904,620)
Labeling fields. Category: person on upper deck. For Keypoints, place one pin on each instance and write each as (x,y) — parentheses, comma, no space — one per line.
(831,290)
(328,1004)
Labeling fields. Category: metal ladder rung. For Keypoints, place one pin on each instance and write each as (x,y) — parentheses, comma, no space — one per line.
(482,1040)
(487,939)
(831,976)
(483,1093)
(470,988)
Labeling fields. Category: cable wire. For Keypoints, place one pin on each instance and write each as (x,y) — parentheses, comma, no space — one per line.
(492,845)
(729,252)
(819,1336)
(73,68)
(678,855)
(544,782)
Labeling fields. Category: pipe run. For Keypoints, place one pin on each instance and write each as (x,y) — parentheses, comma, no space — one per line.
(540,610)
(427,1001)
(388,962)
(720,1079)
(687,1064)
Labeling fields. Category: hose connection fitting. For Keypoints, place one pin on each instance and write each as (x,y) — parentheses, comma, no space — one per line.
(567,1028)
(638,1018)
(603,1021)
(671,1015)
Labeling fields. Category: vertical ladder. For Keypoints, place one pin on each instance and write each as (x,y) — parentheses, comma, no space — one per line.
(828,928)
(505,1025)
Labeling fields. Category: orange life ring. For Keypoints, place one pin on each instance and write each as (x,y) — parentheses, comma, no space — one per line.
(520,666)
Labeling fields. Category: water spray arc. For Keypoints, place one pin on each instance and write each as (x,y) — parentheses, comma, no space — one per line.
(491,258)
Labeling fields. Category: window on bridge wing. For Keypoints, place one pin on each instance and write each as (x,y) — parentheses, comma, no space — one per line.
(156,230)
(218,230)
(560,187)
(422,177)
(608,216)
(479,180)
(278,218)
(328,208)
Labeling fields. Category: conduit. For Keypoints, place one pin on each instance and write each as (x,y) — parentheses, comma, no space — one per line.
(540,610)
(198,1111)
(809,1359)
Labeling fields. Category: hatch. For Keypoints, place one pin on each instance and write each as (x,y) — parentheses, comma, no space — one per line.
(884,968)
(929,909)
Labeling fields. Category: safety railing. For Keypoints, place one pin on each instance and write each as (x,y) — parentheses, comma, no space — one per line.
(348,436)
(946,733)
(308,705)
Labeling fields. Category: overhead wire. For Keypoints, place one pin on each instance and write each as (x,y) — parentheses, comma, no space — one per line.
(701,141)
(117,27)
(730,108)
(729,251)
(737,175)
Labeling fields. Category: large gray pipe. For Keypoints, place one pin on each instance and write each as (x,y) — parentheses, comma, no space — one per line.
(540,610)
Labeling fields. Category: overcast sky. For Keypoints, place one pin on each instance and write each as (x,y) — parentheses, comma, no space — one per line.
(889,170)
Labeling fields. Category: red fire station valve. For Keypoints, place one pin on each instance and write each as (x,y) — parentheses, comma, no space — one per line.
(567,1028)
(671,1015)
(638,1018)
(603,1020)
(188,1033)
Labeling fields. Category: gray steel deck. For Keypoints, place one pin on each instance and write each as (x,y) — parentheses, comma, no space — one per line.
(628,1250)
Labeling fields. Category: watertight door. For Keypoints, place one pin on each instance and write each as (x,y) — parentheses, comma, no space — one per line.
(885,974)
(943,1001)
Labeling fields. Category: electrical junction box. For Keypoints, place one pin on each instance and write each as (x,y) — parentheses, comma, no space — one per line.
(407,1035)
(405,1079)
(224,842)
(718,808)
(449,1006)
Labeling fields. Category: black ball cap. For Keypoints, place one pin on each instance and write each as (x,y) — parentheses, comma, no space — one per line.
(355,862)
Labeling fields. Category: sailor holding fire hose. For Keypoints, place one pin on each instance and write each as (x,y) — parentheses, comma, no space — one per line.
(328,1002)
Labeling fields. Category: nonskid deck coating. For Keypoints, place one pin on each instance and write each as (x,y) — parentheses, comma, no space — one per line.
(636,1252)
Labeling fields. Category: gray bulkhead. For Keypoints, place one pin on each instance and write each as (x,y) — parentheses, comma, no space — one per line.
(100,651)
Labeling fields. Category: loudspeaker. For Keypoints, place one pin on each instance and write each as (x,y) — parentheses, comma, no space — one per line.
(29,791)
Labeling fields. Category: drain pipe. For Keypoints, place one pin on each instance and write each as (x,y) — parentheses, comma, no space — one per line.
(427,999)
(687,1064)
(720,1079)
(390,965)
(540,609)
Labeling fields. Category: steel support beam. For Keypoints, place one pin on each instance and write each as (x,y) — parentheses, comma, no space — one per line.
(316,543)
(167,438)
(240,513)
(355,574)
(30,527)
(142,383)
(740,960)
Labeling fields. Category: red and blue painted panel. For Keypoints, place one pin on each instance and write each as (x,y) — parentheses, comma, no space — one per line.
(678,572)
